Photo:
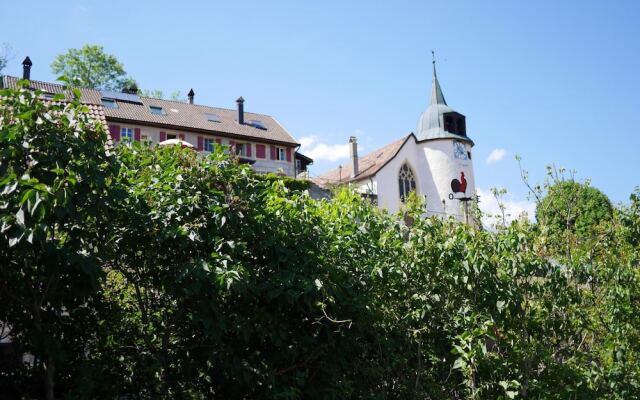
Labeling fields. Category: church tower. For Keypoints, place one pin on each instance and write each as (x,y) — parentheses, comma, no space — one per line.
(442,139)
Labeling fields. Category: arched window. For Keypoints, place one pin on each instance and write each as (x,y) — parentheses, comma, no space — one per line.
(406,181)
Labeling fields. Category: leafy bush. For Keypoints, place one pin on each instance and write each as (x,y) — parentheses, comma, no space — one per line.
(156,273)
(290,183)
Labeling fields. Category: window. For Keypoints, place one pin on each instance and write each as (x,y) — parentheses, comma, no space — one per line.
(298,165)
(462,129)
(109,103)
(157,110)
(469,154)
(208,144)
(241,149)
(47,96)
(406,182)
(257,124)
(126,134)
(171,136)
(212,118)
(448,124)
(280,154)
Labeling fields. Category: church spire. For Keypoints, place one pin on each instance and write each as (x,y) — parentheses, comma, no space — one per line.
(436,92)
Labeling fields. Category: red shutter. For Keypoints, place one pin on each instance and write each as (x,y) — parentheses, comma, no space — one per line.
(136,134)
(200,143)
(260,151)
(273,152)
(288,154)
(163,136)
(219,141)
(114,130)
(248,150)
(181,136)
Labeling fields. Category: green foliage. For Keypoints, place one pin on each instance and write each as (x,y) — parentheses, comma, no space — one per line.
(54,171)
(168,274)
(570,206)
(290,183)
(159,94)
(91,67)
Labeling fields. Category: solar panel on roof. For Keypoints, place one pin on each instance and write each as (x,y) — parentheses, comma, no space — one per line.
(128,97)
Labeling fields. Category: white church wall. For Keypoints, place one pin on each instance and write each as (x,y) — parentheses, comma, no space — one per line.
(445,167)
(367,186)
(387,177)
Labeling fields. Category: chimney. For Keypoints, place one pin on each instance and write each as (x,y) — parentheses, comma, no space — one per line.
(240,102)
(353,149)
(190,95)
(26,68)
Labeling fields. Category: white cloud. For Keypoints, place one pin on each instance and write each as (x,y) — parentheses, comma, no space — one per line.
(514,208)
(496,155)
(311,146)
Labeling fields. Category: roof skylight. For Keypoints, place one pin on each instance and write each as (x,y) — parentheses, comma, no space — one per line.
(213,118)
(257,124)
(157,110)
(109,103)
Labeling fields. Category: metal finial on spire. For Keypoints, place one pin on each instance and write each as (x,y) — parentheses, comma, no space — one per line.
(433,61)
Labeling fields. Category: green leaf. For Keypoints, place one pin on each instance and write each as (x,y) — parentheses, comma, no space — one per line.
(20,217)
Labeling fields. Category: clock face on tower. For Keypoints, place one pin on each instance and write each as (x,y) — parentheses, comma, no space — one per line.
(459,151)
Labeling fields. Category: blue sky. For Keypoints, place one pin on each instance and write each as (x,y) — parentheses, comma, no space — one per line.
(554,81)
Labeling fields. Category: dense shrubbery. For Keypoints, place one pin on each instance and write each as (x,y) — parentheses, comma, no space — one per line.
(156,273)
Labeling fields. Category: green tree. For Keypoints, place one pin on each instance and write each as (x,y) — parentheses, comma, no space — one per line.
(575,208)
(54,172)
(159,94)
(91,67)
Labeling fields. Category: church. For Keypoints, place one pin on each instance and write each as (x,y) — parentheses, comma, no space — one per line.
(435,162)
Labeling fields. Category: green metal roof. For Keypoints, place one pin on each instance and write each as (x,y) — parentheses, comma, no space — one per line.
(431,123)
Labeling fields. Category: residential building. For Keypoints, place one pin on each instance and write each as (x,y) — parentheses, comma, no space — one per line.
(257,139)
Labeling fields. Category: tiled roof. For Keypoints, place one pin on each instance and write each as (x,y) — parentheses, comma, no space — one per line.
(193,116)
(178,115)
(88,97)
(368,165)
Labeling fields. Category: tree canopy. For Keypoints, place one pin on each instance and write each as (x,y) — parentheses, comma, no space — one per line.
(91,67)
(574,207)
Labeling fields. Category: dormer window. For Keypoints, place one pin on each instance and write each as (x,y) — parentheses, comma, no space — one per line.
(157,110)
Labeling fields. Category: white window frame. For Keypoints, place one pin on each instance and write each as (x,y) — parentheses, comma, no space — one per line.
(209,144)
(126,132)
(281,154)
